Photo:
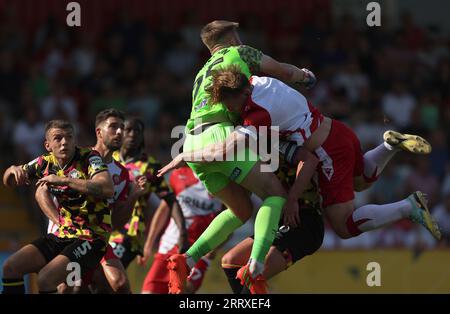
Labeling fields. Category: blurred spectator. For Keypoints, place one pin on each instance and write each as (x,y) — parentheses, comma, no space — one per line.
(143,103)
(129,73)
(412,35)
(440,156)
(422,179)
(252,33)
(369,127)
(352,80)
(6,131)
(59,105)
(180,60)
(191,31)
(10,78)
(390,186)
(38,82)
(429,111)
(111,97)
(28,136)
(398,104)
(442,215)
(53,58)
(83,58)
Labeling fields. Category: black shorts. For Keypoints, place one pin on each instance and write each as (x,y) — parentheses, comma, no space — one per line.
(304,240)
(124,251)
(86,253)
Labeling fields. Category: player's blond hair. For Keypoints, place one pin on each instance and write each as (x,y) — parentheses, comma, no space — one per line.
(227,82)
(216,32)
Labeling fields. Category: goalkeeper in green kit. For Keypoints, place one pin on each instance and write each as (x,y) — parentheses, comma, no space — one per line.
(231,181)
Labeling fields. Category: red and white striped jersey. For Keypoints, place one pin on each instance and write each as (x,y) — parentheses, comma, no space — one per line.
(273,103)
(191,194)
(121,181)
(195,202)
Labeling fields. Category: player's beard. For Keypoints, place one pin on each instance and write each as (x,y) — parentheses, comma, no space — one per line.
(113,146)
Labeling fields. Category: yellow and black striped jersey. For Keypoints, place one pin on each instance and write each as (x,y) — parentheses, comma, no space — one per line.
(80,215)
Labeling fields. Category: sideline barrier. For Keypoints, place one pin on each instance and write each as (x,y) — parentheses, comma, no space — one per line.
(402,271)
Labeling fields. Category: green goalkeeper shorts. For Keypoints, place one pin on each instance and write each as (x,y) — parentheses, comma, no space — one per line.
(216,175)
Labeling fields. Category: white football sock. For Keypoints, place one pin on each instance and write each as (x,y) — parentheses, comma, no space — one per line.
(376,159)
(370,217)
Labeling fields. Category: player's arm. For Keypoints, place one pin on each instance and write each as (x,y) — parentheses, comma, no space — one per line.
(164,192)
(214,152)
(178,217)
(99,186)
(258,62)
(45,202)
(123,207)
(157,225)
(15,176)
(176,213)
(20,175)
(306,166)
(287,72)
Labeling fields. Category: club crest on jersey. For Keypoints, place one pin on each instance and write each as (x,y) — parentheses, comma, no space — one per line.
(235,174)
(328,172)
(201,105)
(74,174)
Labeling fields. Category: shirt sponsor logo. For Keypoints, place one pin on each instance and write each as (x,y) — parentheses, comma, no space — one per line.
(96,162)
(236,173)
(193,202)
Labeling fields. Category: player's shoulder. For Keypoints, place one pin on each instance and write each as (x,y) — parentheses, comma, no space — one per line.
(88,156)
(84,153)
(46,157)
(246,48)
(182,173)
(119,165)
(262,83)
(249,52)
(182,178)
(119,169)
(40,160)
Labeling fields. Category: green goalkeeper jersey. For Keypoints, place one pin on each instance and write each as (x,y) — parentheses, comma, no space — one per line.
(247,58)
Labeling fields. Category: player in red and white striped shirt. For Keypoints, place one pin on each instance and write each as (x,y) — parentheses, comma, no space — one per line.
(199,208)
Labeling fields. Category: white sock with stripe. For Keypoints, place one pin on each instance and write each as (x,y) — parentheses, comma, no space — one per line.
(376,159)
(370,217)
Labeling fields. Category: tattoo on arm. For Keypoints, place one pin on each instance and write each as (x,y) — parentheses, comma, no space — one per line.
(94,189)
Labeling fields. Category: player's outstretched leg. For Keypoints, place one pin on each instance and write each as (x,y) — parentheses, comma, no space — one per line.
(376,159)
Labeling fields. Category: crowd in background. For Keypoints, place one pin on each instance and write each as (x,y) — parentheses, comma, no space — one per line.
(373,79)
